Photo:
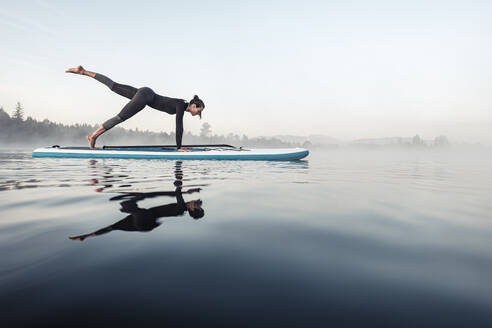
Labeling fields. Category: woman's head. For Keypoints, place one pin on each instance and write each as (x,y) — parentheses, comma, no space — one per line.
(196,106)
(195,209)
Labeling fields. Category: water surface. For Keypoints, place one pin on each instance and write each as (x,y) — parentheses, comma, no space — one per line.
(344,239)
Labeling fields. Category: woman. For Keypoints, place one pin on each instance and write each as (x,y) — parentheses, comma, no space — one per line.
(146,219)
(139,99)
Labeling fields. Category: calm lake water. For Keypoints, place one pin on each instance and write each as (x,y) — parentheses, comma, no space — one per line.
(342,239)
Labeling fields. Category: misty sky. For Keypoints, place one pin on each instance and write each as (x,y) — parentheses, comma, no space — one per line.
(348,69)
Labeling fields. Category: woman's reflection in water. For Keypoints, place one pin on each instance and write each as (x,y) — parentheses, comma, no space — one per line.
(141,219)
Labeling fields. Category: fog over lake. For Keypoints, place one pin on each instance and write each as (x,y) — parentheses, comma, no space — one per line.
(387,222)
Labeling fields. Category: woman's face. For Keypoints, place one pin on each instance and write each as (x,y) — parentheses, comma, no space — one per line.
(194,110)
(194,204)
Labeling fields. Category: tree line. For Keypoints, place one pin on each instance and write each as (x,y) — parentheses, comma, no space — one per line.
(16,130)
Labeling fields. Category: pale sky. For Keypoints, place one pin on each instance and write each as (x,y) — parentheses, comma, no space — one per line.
(348,69)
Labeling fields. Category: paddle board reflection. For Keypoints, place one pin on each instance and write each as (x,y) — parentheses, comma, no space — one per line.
(147,219)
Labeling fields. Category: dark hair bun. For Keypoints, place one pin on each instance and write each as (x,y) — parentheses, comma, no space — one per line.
(197,101)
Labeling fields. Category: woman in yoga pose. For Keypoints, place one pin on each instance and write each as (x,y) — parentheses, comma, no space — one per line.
(139,99)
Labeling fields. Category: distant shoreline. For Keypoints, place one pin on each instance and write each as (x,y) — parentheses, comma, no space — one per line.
(17,132)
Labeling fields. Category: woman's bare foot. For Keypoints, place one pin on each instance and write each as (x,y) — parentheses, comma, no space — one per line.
(81,238)
(91,138)
(76,70)
(92,141)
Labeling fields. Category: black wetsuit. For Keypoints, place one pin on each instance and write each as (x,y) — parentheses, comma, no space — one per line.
(139,99)
(141,219)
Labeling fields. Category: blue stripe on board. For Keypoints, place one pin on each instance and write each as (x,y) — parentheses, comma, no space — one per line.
(290,156)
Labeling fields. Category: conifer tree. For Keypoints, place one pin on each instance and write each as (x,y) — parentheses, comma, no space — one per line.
(18,112)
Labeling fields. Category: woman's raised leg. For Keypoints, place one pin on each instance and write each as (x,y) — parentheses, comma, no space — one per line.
(121,89)
(139,99)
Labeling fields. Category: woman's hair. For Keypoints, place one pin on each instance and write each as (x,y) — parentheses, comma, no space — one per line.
(197,213)
(198,102)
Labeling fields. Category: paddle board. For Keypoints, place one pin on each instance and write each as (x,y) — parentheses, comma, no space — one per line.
(205,152)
